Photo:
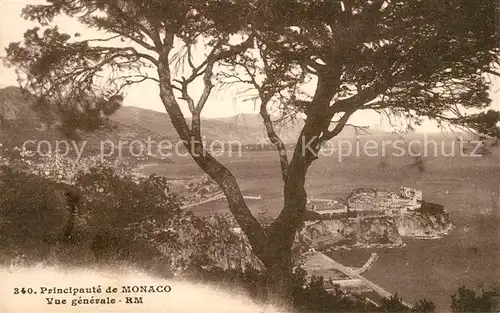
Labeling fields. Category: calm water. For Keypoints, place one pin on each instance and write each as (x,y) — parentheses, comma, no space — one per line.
(435,269)
(432,269)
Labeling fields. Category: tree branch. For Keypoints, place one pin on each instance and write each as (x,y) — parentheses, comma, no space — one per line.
(327,134)
(490,71)
(133,21)
(275,139)
(133,82)
(211,166)
(265,95)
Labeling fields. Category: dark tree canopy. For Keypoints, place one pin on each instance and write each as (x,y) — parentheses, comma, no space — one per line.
(466,300)
(405,58)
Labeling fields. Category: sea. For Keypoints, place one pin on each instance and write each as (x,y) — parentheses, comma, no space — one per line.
(432,269)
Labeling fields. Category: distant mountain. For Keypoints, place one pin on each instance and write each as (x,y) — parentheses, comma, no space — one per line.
(288,131)
(246,128)
(20,122)
(158,122)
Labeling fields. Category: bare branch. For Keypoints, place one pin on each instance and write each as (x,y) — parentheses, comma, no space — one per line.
(250,226)
(327,134)
(359,129)
(190,58)
(275,139)
(207,81)
(185,95)
(358,100)
(490,71)
(101,39)
(209,63)
(129,81)
(233,50)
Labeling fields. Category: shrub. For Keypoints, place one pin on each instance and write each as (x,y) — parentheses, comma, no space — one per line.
(44,219)
(32,212)
(116,206)
(468,301)
(112,201)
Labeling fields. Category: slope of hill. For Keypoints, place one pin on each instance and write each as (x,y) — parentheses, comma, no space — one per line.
(245,128)
(20,122)
(159,122)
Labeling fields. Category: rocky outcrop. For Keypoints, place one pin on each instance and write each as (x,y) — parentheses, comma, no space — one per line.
(189,241)
(350,232)
(370,217)
(431,221)
(376,231)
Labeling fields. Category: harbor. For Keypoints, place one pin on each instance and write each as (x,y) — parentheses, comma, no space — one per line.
(349,279)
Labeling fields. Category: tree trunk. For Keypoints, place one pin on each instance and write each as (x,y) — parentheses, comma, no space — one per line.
(281,236)
(279,279)
(272,246)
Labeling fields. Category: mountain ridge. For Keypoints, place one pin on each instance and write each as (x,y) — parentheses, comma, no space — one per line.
(19,119)
(245,127)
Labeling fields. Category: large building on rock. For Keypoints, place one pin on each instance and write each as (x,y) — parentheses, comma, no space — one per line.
(365,203)
(368,202)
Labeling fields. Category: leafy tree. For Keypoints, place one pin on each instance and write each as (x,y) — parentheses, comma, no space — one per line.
(113,201)
(467,301)
(315,296)
(424,306)
(32,209)
(393,304)
(406,59)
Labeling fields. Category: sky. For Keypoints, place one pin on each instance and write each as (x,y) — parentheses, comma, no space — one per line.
(145,95)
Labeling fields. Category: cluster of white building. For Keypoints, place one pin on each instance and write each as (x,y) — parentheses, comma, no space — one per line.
(371,202)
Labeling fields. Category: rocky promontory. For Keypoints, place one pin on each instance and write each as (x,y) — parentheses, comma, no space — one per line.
(350,232)
(371,217)
(431,221)
(384,231)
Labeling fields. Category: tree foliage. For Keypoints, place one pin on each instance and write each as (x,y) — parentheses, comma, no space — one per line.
(30,209)
(114,201)
(407,59)
(313,296)
(466,300)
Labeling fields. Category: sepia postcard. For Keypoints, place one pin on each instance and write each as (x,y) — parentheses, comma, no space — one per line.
(249,156)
